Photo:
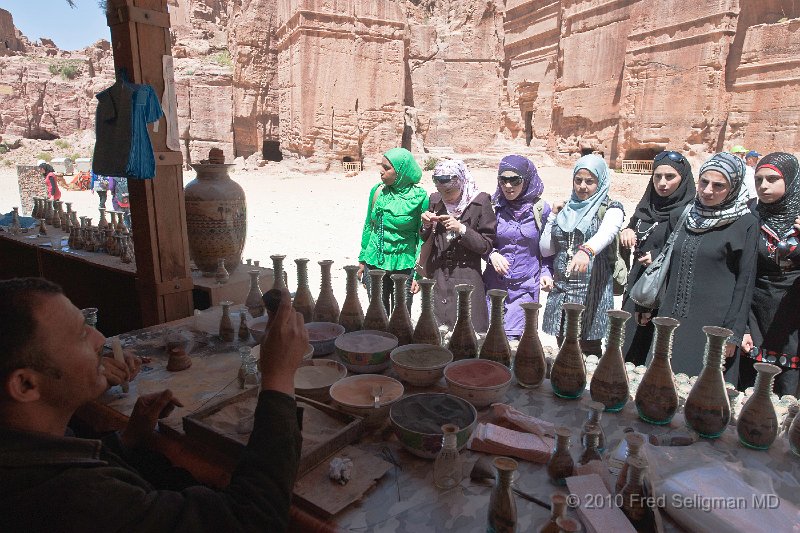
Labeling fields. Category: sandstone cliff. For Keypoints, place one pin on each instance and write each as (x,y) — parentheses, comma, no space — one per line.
(335,80)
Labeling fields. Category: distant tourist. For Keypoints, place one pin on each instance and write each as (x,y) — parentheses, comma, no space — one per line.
(50,180)
(390,238)
(120,197)
(670,189)
(100,186)
(579,236)
(463,224)
(774,325)
(515,263)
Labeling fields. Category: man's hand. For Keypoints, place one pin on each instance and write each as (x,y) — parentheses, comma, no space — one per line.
(546,284)
(627,238)
(146,412)
(116,373)
(282,348)
(499,263)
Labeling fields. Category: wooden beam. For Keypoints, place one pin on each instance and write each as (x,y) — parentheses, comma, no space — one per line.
(140,39)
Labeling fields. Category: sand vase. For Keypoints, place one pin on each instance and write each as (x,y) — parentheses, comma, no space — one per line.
(303,301)
(561,465)
(633,502)
(495,346)
(278,278)
(427,329)
(558,508)
(568,375)
(464,341)
(376,317)
(221,274)
(400,322)
(708,409)
(502,507)
(634,443)
(657,397)
(609,384)
(48,212)
(254,302)
(529,362)
(326,308)
(352,316)
(758,422)
(226,332)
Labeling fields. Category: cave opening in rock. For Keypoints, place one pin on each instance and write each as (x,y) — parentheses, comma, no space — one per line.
(271,151)
(642,154)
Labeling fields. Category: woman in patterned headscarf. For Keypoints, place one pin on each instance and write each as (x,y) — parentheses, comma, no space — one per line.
(579,237)
(390,238)
(775,312)
(463,224)
(712,267)
(515,264)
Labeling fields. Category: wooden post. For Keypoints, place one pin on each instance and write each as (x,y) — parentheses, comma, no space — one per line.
(140,39)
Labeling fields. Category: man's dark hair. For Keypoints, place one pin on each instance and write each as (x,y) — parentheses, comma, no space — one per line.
(18,300)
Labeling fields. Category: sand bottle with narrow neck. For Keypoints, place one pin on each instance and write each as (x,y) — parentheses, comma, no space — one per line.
(502,506)
(447,467)
(351,317)
(568,375)
(303,301)
(464,341)
(757,426)
(609,384)
(400,322)
(529,362)
(376,317)
(495,346)
(657,396)
(427,329)
(708,410)
(278,281)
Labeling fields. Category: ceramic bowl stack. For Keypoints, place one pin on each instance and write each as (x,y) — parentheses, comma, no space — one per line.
(420,365)
(313,378)
(354,394)
(366,351)
(417,420)
(479,381)
(322,336)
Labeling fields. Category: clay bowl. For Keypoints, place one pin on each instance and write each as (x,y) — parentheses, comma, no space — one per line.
(257,326)
(354,395)
(421,365)
(366,351)
(417,421)
(256,352)
(322,335)
(479,381)
(313,378)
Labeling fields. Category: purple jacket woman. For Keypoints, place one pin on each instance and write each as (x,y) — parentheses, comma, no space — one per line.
(515,265)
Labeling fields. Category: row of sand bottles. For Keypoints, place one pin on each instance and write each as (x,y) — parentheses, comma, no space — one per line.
(112,238)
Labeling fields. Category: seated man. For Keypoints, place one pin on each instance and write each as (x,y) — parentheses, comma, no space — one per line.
(50,365)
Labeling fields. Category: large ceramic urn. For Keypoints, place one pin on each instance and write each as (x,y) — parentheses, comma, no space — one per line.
(216,216)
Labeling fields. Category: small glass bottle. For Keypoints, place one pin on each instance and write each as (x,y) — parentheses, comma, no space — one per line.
(560,466)
(254,301)
(633,501)
(558,507)
(15,227)
(591,440)
(634,443)
(225,324)
(757,425)
(568,375)
(447,467)
(593,416)
(221,275)
(791,413)
(502,506)
(248,371)
(244,333)
(464,341)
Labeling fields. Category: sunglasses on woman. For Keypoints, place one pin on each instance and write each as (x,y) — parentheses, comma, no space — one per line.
(444,178)
(673,156)
(510,180)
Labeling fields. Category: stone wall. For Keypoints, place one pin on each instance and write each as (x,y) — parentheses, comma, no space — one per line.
(341,77)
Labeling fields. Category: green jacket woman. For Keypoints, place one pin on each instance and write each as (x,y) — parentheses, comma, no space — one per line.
(390,239)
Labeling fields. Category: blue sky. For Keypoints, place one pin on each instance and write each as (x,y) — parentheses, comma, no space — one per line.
(69,28)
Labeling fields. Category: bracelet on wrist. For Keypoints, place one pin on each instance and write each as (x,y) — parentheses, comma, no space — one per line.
(587,250)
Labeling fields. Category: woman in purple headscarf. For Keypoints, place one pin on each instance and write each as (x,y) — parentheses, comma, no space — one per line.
(515,264)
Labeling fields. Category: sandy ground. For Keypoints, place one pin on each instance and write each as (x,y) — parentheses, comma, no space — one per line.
(320,216)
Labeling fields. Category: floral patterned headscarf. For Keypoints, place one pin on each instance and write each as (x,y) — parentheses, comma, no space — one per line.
(463,180)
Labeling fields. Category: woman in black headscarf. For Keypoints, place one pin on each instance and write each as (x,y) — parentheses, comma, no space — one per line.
(775,312)
(670,189)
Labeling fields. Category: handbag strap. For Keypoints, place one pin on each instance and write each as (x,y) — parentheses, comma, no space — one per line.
(681,222)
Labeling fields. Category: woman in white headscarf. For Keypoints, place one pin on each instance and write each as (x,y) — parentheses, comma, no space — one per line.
(464,225)
(580,237)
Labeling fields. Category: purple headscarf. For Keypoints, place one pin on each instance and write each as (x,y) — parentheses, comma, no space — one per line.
(532,186)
